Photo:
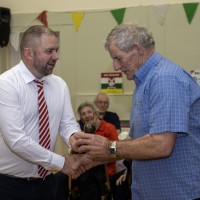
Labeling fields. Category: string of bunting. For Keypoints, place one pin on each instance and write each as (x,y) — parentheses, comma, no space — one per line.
(118,14)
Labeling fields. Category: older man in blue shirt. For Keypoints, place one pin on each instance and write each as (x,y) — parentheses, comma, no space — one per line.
(164,141)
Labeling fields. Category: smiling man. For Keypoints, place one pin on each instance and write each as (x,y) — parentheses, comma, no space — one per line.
(30,119)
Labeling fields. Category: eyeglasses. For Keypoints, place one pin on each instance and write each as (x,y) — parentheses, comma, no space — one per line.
(102,102)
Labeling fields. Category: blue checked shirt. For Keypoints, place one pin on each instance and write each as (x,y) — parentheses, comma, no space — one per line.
(167,99)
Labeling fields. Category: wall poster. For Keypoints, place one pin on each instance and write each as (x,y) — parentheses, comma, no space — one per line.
(111,82)
(196,75)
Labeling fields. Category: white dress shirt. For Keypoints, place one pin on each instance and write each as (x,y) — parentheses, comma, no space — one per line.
(20,152)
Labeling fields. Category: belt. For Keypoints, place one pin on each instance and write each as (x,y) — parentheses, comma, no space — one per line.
(32,178)
(23,178)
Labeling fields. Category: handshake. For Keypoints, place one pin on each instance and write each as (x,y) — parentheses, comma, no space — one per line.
(89,150)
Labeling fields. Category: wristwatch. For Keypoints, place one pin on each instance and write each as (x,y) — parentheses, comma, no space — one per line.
(113,149)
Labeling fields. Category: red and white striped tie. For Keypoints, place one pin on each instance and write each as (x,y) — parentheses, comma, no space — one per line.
(44,130)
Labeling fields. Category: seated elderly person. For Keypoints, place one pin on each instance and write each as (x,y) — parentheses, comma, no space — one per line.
(102,102)
(92,183)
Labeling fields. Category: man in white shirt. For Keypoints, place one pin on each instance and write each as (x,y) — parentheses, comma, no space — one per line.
(20,151)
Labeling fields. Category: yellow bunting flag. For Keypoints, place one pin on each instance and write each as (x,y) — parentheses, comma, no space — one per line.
(77,18)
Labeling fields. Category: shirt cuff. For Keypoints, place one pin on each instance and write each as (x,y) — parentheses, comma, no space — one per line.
(57,162)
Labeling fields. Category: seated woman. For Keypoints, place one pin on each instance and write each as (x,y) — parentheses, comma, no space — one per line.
(92,183)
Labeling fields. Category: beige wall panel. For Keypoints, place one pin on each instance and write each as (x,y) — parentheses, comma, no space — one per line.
(83,57)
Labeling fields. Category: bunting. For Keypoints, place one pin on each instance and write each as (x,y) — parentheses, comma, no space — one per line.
(14,40)
(190,10)
(42,17)
(77,18)
(118,14)
(161,12)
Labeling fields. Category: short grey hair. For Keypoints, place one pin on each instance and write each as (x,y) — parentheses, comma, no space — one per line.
(125,35)
(32,35)
(99,94)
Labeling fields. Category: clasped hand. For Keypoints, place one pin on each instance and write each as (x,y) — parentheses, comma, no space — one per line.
(91,150)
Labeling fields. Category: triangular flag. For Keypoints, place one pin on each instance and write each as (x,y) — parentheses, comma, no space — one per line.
(118,14)
(77,18)
(190,9)
(14,39)
(161,12)
(42,17)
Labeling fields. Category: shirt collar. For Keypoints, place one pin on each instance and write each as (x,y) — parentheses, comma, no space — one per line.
(27,75)
(144,70)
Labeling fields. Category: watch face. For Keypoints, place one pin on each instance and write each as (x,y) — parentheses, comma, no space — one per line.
(112,151)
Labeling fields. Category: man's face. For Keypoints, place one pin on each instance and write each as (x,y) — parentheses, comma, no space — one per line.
(87,115)
(102,103)
(45,56)
(127,62)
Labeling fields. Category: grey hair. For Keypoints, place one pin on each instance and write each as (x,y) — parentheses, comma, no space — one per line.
(125,35)
(31,36)
(99,94)
(85,104)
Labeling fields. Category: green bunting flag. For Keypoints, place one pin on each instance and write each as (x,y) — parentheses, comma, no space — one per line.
(118,14)
(190,9)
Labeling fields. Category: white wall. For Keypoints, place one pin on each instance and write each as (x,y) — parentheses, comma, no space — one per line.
(82,54)
(37,6)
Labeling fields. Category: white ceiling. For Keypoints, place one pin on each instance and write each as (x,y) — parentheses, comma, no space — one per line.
(37,6)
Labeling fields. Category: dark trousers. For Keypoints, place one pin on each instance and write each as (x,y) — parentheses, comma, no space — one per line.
(62,191)
(91,184)
(12,188)
(120,192)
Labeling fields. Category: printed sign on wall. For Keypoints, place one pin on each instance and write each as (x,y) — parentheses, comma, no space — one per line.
(111,82)
(196,75)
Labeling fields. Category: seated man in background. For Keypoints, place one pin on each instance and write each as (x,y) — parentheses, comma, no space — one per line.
(91,183)
(102,103)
